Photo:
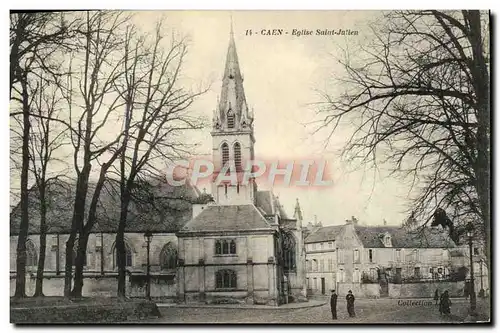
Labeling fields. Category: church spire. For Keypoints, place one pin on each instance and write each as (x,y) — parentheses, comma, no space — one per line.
(298,212)
(232,107)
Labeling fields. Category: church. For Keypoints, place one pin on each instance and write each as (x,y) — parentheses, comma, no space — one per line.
(236,245)
(242,245)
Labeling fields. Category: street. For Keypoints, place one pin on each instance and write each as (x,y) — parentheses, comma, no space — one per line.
(367,311)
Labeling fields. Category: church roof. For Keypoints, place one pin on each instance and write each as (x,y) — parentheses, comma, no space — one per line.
(263,200)
(227,218)
(269,204)
(156,207)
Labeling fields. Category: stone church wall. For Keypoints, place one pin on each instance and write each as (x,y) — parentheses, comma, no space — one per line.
(104,286)
(255,270)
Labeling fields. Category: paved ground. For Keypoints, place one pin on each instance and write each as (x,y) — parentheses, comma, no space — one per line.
(367,311)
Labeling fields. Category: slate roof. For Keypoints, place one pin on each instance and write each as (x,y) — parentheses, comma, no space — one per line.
(401,238)
(156,206)
(227,218)
(263,201)
(268,203)
(324,234)
(289,223)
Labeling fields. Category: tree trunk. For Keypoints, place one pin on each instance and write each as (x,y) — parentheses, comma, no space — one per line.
(479,70)
(84,236)
(79,263)
(24,225)
(68,265)
(76,225)
(43,243)
(120,243)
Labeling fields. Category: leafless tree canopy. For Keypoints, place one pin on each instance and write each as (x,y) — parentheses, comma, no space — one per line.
(126,111)
(418,97)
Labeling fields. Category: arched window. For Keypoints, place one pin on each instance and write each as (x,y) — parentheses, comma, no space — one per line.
(128,256)
(230,119)
(168,257)
(237,156)
(225,154)
(31,255)
(289,252)
(225,279)
(218,247)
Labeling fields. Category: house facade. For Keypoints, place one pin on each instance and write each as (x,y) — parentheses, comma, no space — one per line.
(351,255)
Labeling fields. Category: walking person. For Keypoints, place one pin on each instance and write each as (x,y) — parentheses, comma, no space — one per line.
(350,304)
(436,296)
(444,305)
(333,304)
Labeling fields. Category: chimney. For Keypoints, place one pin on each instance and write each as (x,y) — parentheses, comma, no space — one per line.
(354,220)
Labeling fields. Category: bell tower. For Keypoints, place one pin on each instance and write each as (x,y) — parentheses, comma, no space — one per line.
(232,135)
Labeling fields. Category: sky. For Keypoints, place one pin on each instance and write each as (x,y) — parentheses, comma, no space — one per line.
(282,78)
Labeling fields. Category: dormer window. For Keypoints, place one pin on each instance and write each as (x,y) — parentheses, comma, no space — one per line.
(387,240)
(230,119)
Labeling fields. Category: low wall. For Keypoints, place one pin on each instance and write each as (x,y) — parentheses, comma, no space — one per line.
(99,286)
(418,290)
(360,290)
(407,290)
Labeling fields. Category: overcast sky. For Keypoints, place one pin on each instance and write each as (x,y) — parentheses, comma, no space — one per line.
(281,77)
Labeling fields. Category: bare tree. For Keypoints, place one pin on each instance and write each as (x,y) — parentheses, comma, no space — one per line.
(156,115)
(91,108)
(34,38)
(46,138)
(418,96)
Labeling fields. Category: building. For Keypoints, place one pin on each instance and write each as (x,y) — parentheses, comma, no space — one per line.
(242,247)
(165,211)
(461,258)
(347,256)
(236,245)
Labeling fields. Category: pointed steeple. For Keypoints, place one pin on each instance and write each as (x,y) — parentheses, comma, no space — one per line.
(233,101)
(298,212)
(298,215)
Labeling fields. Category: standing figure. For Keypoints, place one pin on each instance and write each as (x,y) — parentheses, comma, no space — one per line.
(350,304)
(436,296)
(333,304)
(445,303)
